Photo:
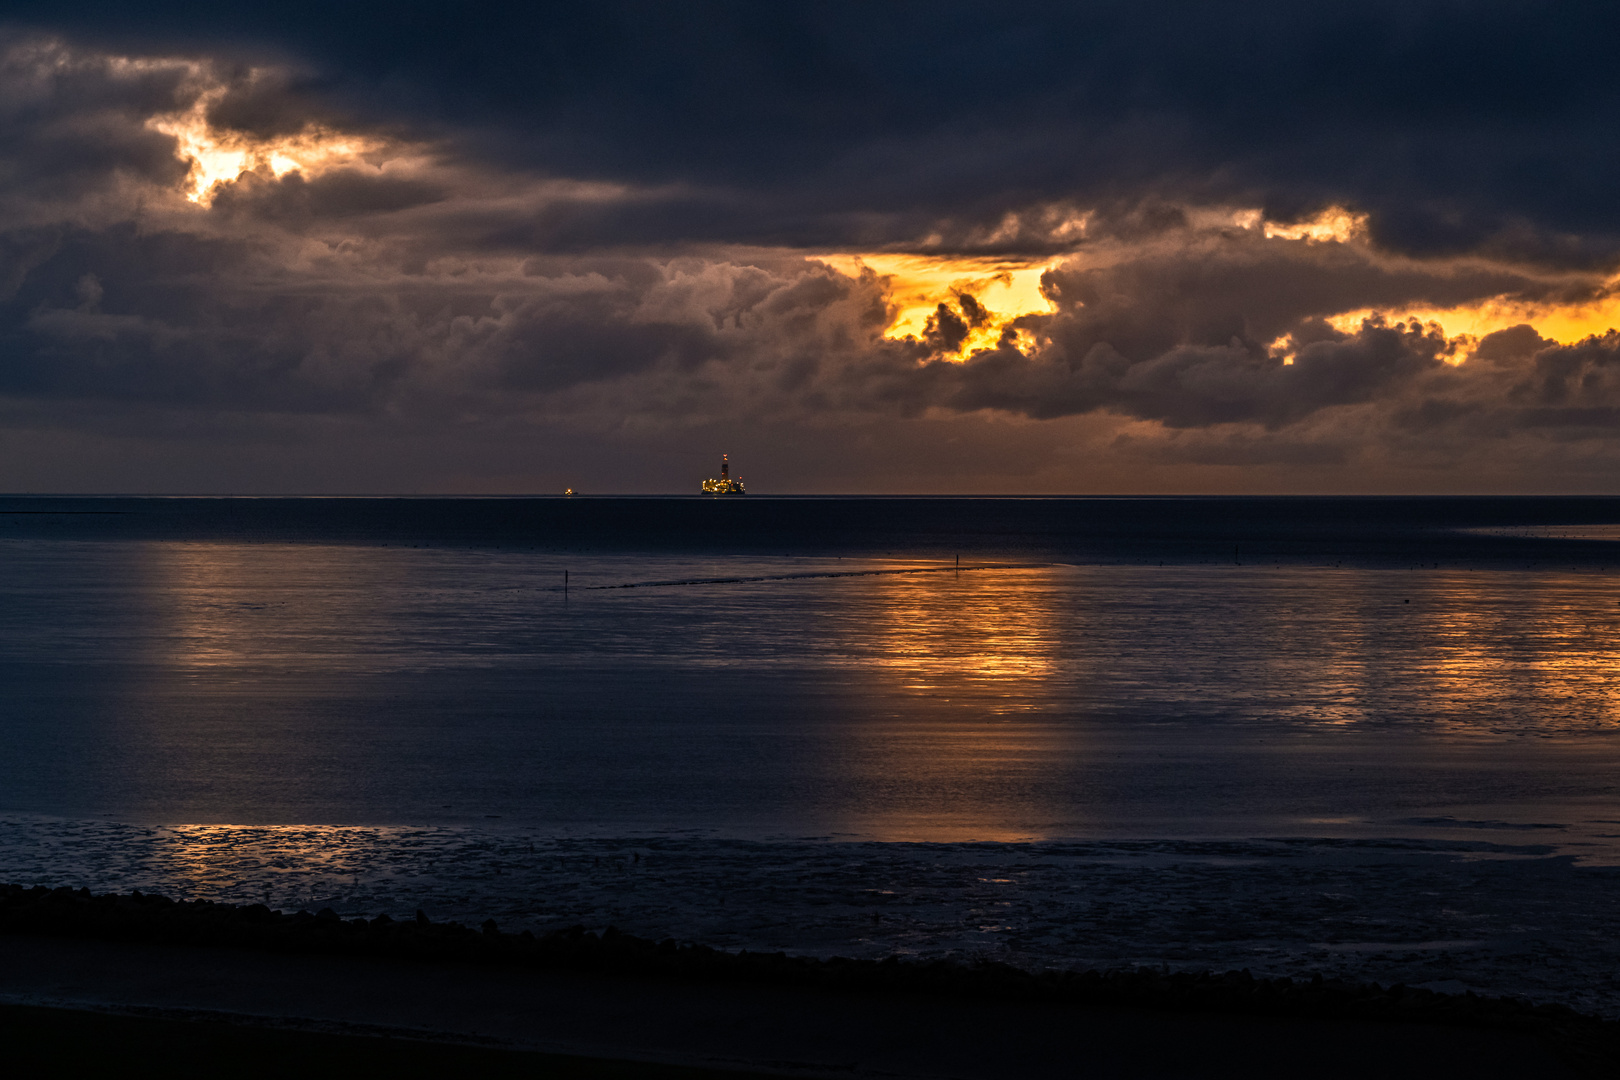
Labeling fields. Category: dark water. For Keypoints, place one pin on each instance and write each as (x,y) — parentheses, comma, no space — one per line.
(1180,708)
(1371,532)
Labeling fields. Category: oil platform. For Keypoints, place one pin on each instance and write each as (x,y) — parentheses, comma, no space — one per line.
(725,485)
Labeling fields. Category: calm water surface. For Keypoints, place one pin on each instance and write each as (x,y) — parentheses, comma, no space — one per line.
(281,683)
(373,720)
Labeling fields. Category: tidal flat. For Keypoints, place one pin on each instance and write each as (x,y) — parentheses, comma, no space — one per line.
(1363,739)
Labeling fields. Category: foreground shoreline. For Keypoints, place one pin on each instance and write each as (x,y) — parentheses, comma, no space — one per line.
(81,1041)
(227,947)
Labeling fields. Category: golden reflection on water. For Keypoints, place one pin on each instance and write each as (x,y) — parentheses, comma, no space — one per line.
(228,605)
(994,689)
(1495,641)
(965,668)
(993,704)
(1284,643)
(208,856)
(984,626)
(298,865)
(1317,647)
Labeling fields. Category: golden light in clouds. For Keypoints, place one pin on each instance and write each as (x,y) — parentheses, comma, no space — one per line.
(1335,223)
(1008,288)
(220,157)
(1565,324)
(918,284)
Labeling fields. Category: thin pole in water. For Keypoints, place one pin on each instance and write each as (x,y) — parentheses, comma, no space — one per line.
(565,586)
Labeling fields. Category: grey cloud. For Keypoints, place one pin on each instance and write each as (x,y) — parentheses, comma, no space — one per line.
(21,252)
(1514,344)
(1235,448)
(1200,387)
(268,102)
(1189,386)
(1518,381)
(72,124)
(946,330)
(1460,128)
(1200,328)
(974,312)
(453,297)
(1209,290)
(292,200)
(1580,368)
(210,322)
(214,321)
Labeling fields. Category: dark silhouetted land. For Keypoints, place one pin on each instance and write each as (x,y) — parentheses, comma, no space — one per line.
(98,983)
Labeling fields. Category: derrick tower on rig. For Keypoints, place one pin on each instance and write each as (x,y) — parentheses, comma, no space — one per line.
(725,485)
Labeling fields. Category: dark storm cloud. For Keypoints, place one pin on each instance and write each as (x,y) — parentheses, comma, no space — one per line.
(610,218)
(1190,328)
(1520,381)
(1240,286)
(1199,386)
(268,102)
(1222,327)
(1458,127)
(292,200)
(71,125)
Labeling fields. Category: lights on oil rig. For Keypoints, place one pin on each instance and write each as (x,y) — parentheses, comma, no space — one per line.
(725,485)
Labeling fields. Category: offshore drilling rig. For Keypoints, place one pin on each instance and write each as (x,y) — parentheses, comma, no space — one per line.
(725,485)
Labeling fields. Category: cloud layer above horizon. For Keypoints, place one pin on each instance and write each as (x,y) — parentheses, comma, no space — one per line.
(489,247)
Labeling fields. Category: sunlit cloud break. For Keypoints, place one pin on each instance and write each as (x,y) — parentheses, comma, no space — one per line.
(987,296)
(218,157)
(190,238)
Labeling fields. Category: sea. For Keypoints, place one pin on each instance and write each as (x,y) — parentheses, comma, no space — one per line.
(1371,738)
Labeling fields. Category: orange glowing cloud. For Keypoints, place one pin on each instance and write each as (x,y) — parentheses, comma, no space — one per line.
(918,284)
(1009,288)
(218,157)
(1333,224)
(1563,323)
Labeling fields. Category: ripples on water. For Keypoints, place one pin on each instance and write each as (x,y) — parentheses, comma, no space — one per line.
(276,683)
(1392,772)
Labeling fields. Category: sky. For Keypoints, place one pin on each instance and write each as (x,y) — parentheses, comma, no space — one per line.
(876,247)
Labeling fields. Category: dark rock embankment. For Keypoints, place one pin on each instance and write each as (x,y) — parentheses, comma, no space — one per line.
(1590,1043)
